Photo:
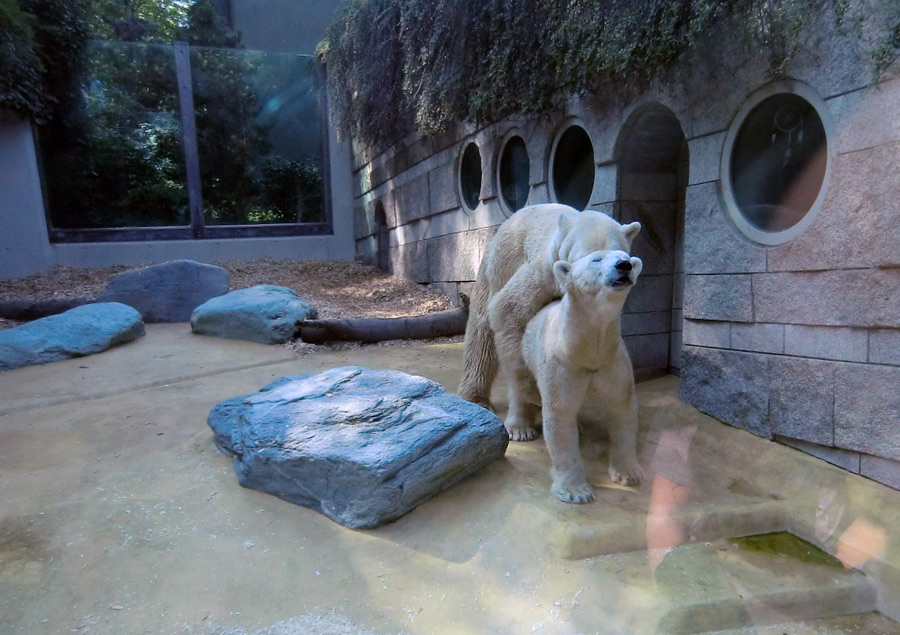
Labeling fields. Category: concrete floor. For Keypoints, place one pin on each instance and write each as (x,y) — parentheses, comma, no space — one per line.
(119,516)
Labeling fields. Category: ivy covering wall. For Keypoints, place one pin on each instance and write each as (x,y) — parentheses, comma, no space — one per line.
(398,66)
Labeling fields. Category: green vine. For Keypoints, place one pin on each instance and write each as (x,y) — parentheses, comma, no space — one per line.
(40,45)
(20,79)
(398,66)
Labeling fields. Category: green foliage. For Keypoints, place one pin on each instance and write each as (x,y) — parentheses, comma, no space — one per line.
(40,45)
(888,50)
(20,78)
(290,187)
(113,157)
(138,20)
(364,51)
(207,27)
(228,137)
(403,65)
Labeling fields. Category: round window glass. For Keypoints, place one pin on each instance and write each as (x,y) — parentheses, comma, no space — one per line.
(777,168)
(514,174)
(573,168)
(470,176)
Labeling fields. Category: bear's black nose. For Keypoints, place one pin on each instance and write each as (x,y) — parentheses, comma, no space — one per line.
(623,266)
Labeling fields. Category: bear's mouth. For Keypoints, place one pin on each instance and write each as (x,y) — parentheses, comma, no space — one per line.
(623,281)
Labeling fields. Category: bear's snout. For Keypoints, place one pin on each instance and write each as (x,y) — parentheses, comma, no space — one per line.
(622,274)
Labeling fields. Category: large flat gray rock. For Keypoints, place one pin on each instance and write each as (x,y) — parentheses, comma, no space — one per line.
(81,331)
(265,313)
(362,446)
(167,292)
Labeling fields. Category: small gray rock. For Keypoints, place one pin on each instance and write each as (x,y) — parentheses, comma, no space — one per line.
(167,292)
(266,314)
(362,446)
(84,330)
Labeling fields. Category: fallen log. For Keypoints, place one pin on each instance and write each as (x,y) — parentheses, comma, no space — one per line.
(26,310)
(368,330)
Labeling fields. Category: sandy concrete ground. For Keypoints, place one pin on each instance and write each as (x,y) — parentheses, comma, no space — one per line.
(120,516)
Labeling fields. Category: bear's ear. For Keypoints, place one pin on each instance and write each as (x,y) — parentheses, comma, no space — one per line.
(561,271)
(565,224)
(632,230)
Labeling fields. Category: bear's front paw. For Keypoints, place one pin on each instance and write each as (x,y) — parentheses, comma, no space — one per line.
(627,475)
(522,433)
(577,493)
(519,428)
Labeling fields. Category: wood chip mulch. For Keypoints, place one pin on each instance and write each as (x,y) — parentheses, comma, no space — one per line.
(337,289)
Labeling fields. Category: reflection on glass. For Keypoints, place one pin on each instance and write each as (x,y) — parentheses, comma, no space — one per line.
(470,176)
(259,135)
(114,157)
(779,161)
(514,174)
(573,168)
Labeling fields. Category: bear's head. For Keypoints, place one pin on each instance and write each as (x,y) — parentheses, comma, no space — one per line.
(588,232)
(606,274)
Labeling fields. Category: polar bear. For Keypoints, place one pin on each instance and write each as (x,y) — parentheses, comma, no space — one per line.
(574,349)
(515,281)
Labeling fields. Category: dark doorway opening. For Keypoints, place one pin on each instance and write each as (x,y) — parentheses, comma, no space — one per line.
(652,157)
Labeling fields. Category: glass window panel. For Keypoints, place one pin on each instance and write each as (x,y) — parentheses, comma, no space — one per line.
(113,157)
(779,161)
(259,136)
(514,174)
(470,176)
(573,168)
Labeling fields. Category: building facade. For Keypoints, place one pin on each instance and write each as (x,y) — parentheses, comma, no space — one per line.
(770,241)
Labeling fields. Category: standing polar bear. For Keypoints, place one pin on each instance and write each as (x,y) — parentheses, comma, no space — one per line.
(515,281)
(574,349)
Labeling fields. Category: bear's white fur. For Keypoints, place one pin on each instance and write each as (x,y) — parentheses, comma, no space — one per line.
(574,349)
(515,281)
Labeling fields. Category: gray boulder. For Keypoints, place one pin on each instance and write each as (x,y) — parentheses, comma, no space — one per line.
(266,314)
(85,330)
(168,292)
(361,446)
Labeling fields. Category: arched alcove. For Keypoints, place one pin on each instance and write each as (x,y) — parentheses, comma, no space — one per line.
(383,256)
(652,160)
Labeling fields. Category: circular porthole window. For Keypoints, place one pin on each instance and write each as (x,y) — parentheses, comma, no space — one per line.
(776,163)
(572,167)
(513,173)
(470,176)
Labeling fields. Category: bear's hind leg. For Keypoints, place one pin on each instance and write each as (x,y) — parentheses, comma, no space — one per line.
(480,361)
(509,312)
(621,409)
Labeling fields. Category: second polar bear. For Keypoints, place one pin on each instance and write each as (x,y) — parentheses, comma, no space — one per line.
(574,349)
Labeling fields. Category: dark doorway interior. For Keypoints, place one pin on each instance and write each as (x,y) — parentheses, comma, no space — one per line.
(652,158)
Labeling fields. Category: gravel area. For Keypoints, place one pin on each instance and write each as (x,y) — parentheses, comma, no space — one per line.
(336,289)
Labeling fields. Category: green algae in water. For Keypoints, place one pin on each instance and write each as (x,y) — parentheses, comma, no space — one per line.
(787,545)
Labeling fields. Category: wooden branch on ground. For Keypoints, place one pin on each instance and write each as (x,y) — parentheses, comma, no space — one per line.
(33,309)
(368,330)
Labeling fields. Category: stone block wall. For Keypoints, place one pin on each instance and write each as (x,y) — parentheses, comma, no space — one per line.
(798,342)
